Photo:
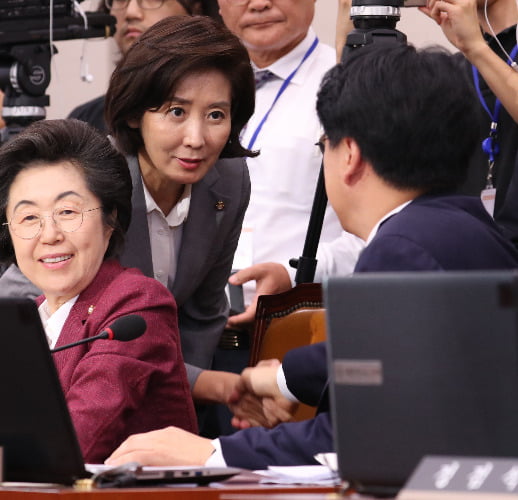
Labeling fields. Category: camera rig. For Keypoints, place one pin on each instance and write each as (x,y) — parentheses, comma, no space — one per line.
(374,22)
(26,52)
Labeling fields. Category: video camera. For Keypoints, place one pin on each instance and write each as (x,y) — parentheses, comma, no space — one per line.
(26,31)
(375,22)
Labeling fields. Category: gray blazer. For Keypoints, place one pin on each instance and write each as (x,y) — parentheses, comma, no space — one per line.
(210,236)
(209,240)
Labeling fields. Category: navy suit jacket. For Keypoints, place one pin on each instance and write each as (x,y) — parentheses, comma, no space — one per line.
(434,233)
(431,233)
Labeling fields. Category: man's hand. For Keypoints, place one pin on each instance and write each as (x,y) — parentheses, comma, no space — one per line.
(169,446)
(260,382)
(270,278)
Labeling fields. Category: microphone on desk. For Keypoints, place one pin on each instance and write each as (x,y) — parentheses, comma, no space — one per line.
(125,328)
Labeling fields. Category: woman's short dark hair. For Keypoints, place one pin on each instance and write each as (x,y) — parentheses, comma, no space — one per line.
(149,73)
(105,170)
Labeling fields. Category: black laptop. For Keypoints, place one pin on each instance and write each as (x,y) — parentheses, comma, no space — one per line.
(421,364)
(36,431)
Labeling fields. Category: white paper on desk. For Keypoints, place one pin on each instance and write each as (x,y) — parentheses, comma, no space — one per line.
(304,474)
(329,459)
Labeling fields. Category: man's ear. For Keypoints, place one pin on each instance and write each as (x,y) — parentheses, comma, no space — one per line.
(133,123)
(354,166)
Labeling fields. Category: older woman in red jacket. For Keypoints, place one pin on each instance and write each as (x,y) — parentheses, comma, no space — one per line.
(65,204)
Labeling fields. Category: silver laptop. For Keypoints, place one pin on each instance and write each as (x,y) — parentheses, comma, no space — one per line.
(421,364)
(36,432)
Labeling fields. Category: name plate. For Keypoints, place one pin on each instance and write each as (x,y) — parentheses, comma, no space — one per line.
(455,478)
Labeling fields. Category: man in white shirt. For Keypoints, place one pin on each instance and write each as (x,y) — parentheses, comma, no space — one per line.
(285,129)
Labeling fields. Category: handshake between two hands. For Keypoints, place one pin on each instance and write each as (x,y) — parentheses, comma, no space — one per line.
(257,400)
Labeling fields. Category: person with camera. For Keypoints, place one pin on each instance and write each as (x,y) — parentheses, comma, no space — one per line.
(485,33)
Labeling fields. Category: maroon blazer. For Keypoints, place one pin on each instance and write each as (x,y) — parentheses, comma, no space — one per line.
(115,389)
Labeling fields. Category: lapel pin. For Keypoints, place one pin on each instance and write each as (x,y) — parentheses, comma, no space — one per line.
(220,205)
(91,309)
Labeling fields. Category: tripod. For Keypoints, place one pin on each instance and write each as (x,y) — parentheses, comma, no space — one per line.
(24,78)
(374,22)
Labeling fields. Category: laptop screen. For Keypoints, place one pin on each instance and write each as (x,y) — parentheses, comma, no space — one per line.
(36,432)
(421,364)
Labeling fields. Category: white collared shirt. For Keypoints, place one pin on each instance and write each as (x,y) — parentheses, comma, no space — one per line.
(284,176)
(165,233)
(53,323)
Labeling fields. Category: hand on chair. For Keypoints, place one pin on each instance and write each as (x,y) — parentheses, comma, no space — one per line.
(270,278)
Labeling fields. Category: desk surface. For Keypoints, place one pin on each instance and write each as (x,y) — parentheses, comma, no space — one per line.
(170,493)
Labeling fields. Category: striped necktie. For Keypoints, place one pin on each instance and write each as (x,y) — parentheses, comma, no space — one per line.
(261,77)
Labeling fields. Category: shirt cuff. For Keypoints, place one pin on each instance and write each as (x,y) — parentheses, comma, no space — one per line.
(283,386)
(216,459)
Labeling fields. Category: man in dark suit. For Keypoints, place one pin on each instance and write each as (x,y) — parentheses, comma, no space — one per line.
(398,139)
(398,145)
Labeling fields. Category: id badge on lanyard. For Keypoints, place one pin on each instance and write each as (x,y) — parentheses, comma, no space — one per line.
(490,144)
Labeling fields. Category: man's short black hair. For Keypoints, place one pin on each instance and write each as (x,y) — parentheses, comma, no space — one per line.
(411,113)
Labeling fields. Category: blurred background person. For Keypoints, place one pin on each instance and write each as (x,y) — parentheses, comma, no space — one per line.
(289,62)
(65,205)
(485,33)
(134,17)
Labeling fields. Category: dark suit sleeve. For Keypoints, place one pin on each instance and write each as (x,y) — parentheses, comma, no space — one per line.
(395,253)
(293,443)
(305,370)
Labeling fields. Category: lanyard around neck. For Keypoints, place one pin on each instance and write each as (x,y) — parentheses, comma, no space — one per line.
(489,144)
(284,86)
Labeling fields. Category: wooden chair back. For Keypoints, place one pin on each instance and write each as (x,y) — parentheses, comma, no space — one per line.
(285,321)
